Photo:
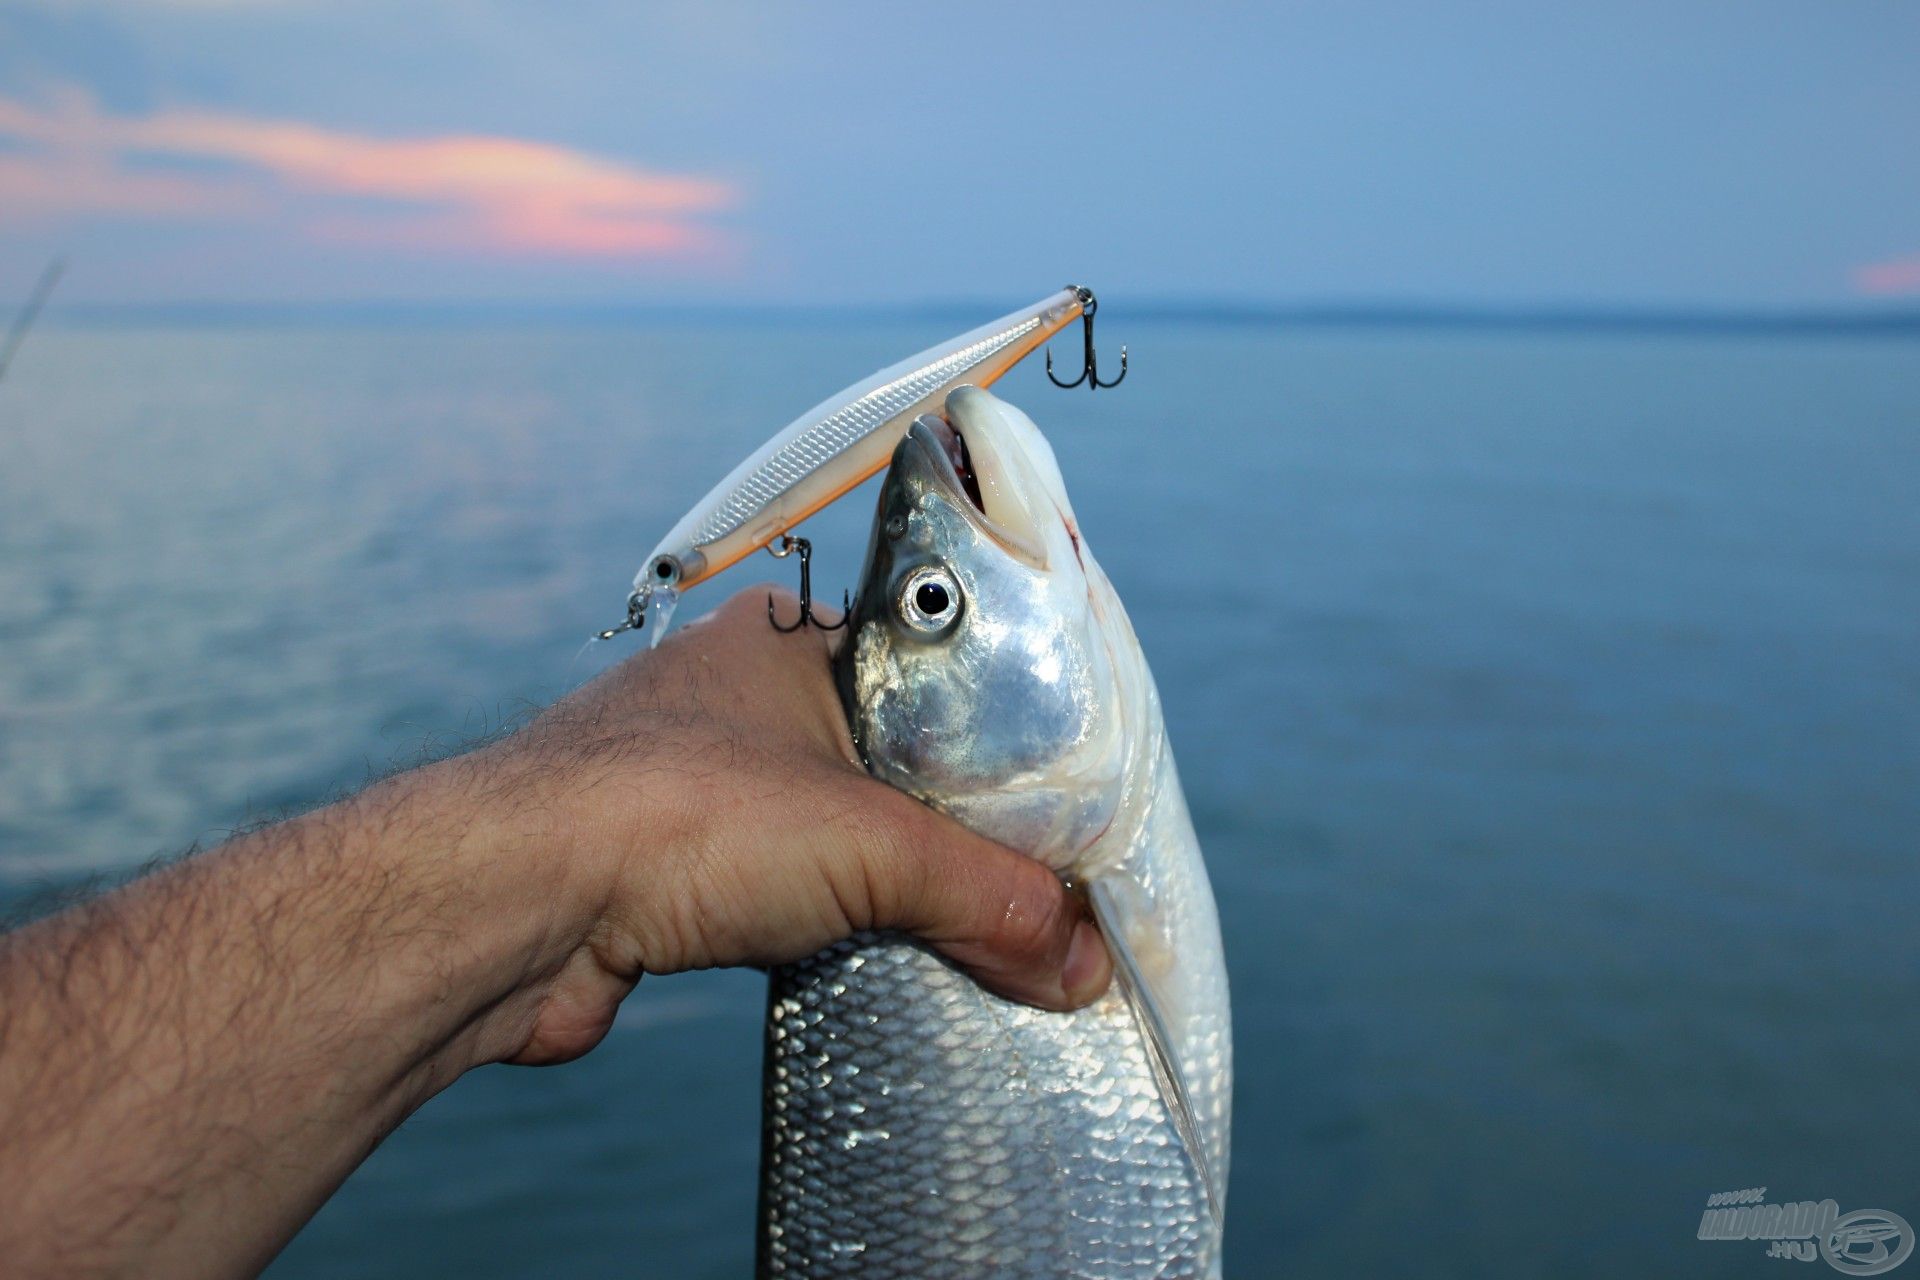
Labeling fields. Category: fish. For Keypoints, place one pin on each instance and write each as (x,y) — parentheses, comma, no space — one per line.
(829,450)
(913,1123)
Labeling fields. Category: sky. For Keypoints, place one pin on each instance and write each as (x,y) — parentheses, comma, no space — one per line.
(1757,154)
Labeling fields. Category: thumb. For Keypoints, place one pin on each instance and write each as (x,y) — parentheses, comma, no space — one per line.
(1004,918)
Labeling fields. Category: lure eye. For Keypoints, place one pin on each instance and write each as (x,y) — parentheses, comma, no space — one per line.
(929,600)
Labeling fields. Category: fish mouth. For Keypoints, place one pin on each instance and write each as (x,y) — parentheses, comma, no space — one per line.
(982,462)
(945,449)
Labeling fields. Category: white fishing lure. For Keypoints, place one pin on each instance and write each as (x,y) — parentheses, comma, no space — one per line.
(828,450)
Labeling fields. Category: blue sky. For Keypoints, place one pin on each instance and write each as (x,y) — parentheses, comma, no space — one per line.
(456,150)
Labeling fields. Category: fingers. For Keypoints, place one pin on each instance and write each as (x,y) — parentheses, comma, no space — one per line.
(850,852)
(1004,918)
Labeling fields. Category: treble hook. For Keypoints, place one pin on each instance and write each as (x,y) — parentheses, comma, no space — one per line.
(787,546)
(1090,370)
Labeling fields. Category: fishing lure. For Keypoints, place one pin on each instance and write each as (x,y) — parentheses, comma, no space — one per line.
(832,448)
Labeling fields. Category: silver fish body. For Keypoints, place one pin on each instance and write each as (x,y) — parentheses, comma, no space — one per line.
(916,1125)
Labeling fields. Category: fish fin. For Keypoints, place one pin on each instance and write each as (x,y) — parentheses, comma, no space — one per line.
(1110,913)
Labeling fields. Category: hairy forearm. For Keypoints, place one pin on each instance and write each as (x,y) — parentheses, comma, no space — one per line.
(190,1065)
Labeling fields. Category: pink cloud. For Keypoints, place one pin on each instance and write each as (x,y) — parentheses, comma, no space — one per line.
(461,193)
(1901,275)
(38,188)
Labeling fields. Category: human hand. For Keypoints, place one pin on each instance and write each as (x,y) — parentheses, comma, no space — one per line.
(190,1064)
(712,811)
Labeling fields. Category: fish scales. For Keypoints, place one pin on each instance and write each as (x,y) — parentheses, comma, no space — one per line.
(965,1135)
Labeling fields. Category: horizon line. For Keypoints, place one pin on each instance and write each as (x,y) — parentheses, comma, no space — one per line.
(1862,317)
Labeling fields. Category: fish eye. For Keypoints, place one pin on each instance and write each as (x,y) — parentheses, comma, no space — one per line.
(928,600)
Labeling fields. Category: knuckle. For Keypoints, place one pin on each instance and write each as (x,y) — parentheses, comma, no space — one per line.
(1035,919)
(750,603)
(892,840)
(886,841)
(883,821)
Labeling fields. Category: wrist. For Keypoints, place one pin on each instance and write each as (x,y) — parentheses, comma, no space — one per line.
(478,868)
(548,822)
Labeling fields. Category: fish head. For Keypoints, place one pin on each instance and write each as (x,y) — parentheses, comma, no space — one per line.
(980,673)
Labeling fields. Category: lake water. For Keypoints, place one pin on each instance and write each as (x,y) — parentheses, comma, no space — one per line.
(1549,707)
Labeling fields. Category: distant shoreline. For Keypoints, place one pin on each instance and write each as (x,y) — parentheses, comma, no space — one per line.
(1896,321)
